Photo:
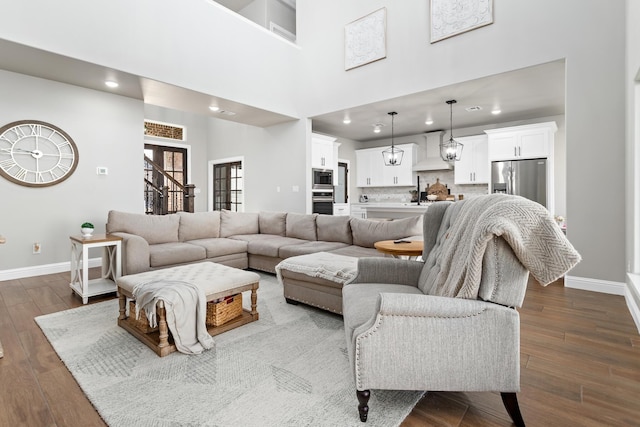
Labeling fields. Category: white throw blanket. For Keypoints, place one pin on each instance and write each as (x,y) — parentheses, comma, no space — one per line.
(186,312)
(337,268)
(528,228)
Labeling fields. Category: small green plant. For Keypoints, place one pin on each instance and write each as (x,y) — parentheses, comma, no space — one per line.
(86,225)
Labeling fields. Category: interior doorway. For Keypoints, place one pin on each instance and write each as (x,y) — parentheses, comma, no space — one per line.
(167,166)
(341,191)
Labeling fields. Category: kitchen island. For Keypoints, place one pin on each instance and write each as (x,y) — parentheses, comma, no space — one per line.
(378,210)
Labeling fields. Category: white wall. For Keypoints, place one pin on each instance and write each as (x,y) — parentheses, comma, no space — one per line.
(523,34)
(274,157)
(107,130)
(196,44)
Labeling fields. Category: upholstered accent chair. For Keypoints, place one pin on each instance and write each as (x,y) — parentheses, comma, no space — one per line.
(404,332)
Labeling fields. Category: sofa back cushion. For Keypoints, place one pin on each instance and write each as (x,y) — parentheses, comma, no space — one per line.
(331,228)
(232,223)
(273,223)
(152,228)
(366,231)
(301,226)
(199,225)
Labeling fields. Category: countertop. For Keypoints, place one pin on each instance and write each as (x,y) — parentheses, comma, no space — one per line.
(381,207)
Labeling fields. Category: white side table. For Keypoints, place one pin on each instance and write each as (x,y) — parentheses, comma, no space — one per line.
(80,282)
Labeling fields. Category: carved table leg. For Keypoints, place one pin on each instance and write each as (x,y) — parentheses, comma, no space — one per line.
(363,407)
(254,302)
(122,301)
(162,326)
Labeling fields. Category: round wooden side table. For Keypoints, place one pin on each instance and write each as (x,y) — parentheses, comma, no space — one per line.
(412,249)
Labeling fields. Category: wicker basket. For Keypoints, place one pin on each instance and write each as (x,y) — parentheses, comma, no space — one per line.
(219,313)
(142,323)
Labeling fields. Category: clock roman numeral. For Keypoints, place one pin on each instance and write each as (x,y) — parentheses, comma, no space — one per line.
(7,164)
(39,177)
(19,132)
(21,174)
(36,129)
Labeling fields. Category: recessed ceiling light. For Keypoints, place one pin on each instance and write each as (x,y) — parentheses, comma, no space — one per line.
(346,121)
(428,122)
(496,111)
(111,84)
(214,108)
(473,108)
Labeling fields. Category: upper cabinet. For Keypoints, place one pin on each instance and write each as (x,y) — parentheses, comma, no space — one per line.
(372,172)
(473,166)
(324,153)
(522,142)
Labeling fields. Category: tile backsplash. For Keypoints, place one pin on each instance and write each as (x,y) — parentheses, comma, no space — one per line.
(402,194)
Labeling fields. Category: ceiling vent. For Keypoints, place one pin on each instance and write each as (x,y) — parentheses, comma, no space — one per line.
(474,108)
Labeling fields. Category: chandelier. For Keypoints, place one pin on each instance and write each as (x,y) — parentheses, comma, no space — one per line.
(392,156)
(451,150)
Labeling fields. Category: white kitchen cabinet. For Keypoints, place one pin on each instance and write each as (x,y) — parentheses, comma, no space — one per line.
(473,167)
(358,211)
(522,142)
(372,172)
(324,153)
(340,209)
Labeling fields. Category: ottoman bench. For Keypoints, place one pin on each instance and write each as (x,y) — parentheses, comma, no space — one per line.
(217,281)
(316,279)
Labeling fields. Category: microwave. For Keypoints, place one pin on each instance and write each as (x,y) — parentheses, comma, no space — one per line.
(322,179)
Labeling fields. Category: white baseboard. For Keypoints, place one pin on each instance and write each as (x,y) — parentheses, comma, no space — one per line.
(41,270)
(595,285)
(633,296)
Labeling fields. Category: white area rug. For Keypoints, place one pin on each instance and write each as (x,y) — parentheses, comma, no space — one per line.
(290,368)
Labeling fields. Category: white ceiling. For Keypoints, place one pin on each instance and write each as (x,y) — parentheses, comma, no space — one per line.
(529,93)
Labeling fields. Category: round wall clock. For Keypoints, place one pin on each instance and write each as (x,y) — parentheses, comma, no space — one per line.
(36,154)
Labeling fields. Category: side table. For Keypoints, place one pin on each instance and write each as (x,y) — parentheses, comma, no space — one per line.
(80,283)
(411,249)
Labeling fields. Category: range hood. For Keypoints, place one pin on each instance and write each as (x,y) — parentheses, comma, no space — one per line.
(430,159)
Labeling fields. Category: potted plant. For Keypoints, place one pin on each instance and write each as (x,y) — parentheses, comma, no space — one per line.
(87,229)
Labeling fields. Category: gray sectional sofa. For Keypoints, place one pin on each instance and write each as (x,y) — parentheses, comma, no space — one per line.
(246,240)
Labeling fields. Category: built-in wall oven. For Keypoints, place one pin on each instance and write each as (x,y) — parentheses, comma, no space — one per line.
(322,191)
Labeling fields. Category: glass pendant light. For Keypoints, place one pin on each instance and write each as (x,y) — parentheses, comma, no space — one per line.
(451,150)
(392,156)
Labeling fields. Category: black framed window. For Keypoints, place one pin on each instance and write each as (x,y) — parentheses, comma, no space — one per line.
(227,186)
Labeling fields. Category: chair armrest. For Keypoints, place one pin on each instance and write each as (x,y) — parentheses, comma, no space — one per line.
(135,254)
(424,342)
(388,270)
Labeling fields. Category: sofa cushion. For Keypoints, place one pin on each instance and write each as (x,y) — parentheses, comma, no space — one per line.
(153,228)
(301,226)
(162,254)
(334,228)
(267,244)
(358,252)
(199,225)
(367,232)
(238,223)
(273,223)
(221,246)
(309,248)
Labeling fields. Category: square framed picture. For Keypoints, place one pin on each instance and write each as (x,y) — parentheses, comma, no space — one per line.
(452,17)
(365,39)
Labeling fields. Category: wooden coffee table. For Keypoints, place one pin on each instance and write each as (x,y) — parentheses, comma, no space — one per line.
(412,249)
(216,280)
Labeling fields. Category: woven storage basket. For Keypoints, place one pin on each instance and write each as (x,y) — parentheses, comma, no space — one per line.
(219,313)
(142,323)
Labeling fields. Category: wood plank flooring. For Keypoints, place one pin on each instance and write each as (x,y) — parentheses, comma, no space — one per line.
(580,364)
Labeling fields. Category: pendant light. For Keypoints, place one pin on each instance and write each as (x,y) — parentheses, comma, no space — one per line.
(392,156)
(451,150)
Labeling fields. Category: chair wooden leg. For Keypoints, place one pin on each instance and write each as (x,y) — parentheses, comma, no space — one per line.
(510,401)
(363,408)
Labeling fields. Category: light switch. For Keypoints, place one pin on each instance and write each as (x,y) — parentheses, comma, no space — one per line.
(101,170)
(295,188)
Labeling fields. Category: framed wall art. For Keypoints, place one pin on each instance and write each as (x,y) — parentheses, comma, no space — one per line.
(452,17)
(365,39)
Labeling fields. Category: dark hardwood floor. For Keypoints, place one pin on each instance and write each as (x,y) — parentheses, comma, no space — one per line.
(580,364)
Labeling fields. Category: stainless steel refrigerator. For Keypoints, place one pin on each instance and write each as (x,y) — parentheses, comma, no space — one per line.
(526,178)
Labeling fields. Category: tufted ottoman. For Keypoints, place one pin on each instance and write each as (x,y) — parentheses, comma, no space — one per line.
(216,280)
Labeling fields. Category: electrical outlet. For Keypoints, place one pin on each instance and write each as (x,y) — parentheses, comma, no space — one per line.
(37,248)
